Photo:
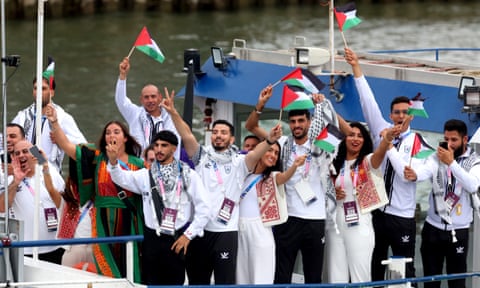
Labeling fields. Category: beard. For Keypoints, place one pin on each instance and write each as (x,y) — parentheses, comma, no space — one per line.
(459,151)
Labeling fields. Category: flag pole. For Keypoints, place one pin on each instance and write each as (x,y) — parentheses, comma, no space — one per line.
(280,118)
(344,40)
(276,83)
(131,51)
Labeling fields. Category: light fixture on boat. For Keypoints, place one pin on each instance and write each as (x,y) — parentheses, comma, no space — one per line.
(465,81)
(312,56)
(472,99)
(192,57)
(218,58)
(12,60)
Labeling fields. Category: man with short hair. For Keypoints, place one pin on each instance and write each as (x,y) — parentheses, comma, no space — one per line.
(306,191)
(249,142)
(223,171)
(146,120)
(26,119)
(185,201)
(21,201)
(394,224)
(454,197)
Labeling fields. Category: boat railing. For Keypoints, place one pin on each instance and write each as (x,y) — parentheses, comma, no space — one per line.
(435,50)
(7,243)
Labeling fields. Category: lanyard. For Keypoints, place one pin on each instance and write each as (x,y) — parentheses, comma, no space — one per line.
(217,173)
(30,188)
(353,175)
(178,188)
(307,161)
(123,164)
(84,212)
(249,187)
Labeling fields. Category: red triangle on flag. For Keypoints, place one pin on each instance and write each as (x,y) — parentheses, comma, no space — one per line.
(323,134)
(288,96)
(143,38)
(341,17)
(296,74)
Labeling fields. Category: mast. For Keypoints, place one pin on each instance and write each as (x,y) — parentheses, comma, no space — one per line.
(331,25)
(38,117)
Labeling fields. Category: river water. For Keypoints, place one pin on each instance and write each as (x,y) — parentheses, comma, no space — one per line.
(87,49)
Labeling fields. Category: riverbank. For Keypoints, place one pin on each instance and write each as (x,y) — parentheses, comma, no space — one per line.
(25,9)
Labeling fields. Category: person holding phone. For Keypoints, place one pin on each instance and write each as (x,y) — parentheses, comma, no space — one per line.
(21,201)
(453,200)
(117,211)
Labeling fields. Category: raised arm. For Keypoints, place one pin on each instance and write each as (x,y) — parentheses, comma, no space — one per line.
(189,141)
(252,120)
(60,138)
(52,191)
(385,144)
(18,176)
(283,177)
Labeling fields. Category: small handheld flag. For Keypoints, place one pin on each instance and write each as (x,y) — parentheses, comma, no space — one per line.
(295,100)
(49,72)
(304,79)
(346,16)
(416,106)
(329,138)
(147,45)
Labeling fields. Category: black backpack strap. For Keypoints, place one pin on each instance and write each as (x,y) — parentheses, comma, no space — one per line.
(157,200)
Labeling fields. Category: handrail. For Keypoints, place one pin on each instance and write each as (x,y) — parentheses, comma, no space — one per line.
(73,241)
(7,243)
(437,51)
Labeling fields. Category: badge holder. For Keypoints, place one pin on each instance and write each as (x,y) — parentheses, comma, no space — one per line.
(351,213)
(51,219)
(305,192)
(451,200)
(168,221)
(226,210)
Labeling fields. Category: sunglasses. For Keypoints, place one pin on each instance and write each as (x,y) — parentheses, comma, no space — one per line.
(397,111)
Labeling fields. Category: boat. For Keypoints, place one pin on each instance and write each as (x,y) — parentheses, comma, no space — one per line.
(227,86)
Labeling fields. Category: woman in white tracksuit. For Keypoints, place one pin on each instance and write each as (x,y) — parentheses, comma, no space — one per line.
(256,246)
(351,241)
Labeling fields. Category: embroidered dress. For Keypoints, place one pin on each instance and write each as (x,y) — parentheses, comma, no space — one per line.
(110,216)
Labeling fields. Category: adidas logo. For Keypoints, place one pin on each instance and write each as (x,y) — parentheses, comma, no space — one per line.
(224,255)
(405,238)
(460,250)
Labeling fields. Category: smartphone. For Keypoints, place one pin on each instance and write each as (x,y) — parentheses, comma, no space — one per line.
(36,153)
(443,144)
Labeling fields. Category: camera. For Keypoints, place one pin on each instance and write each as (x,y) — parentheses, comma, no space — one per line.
(12,60)
(443,144)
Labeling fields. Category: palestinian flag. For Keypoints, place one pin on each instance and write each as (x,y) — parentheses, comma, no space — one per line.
(347,16)
(48,73)
(421,149)
(304,79)
(146,44)
(329,138)
(416,107)
(295,100)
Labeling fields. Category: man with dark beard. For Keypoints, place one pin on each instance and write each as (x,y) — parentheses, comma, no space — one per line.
(454,197)
(306,191)
(26,119)
(186,208)
(223,171)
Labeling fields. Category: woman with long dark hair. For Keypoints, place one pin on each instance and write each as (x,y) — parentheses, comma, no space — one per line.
(260,208)
(117,212)
(350,244)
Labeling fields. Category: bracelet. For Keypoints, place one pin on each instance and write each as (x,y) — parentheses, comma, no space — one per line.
(257,111)
(268,141)
(46,172)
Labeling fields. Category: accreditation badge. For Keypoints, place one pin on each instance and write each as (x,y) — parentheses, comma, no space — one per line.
(226,210)
(351,213)
(51,219)
(168,221)
(451,200)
